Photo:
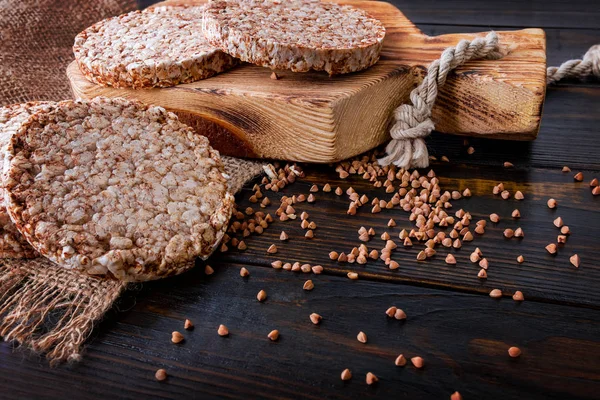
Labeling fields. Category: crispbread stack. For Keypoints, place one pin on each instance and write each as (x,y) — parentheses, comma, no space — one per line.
(115,188)
(158,47)
(298,35)
(170,45)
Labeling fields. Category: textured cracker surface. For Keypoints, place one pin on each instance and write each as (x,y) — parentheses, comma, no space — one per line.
(298,35)
(114,187)
(158,47)
(12,243)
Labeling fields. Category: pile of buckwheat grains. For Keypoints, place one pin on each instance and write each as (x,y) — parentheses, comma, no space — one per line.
(420,195)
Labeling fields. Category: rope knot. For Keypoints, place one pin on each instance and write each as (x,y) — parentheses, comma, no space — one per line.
(412,122)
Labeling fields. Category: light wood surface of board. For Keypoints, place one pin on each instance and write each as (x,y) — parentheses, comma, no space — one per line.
(312,117)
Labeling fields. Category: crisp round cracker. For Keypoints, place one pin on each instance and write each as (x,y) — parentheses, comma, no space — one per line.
(299,35)
(114,187)
(157,47)
(12,243)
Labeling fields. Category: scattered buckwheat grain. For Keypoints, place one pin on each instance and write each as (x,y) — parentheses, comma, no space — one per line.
(371,378)
(418,362)
(176,337)
(361,337)
(551,248)
(261,296)
(315,318)
(273,335)
(514,352)
(160,375)
(558,222)
(400,361)
(400,314)
(575,261)
(456,396)
(518,296)
(223,331)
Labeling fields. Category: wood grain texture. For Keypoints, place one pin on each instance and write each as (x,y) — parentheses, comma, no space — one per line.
(462,333)
(463,339)
(316,118)
(576,14)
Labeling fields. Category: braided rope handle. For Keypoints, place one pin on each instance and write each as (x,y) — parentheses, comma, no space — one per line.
(412,122)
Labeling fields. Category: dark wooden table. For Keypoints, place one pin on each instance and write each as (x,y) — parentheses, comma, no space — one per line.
(461,332)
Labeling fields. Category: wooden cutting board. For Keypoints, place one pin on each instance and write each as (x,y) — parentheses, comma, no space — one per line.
(316,118)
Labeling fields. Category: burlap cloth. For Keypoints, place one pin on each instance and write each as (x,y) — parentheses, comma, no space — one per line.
(42,306)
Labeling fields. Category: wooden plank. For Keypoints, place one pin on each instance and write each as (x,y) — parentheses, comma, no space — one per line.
(463,338)
(579,14)
(542,276)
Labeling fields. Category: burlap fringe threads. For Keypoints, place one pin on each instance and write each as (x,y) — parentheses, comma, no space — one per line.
(51,309)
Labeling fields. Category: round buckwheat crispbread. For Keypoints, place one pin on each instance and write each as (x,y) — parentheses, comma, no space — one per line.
(114,187)
(12,243)
(299,35)
(158,47)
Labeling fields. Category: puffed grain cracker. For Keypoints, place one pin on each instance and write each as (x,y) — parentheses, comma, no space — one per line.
(299,35)
(115,187)
(157,47)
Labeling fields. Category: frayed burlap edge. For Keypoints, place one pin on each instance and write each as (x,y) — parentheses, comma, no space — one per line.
(51,309)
